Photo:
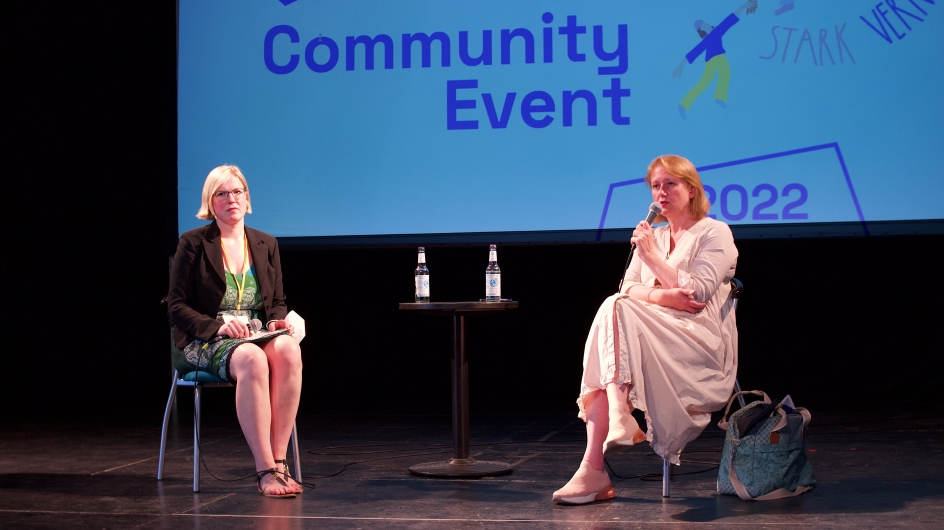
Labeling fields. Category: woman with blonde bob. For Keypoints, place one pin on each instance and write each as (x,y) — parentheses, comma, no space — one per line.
(224,275)
(662,344)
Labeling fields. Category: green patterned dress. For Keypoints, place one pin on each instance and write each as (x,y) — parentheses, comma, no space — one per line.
(213,356)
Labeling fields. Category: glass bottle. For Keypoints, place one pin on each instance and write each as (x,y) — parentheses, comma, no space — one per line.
(492,277)
(421,278)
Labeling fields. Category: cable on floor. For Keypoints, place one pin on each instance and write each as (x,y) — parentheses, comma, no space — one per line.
(308,485)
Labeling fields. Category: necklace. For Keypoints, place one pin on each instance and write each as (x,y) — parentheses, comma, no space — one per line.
(240,288)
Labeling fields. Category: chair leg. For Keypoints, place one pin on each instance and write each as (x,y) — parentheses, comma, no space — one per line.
(170,405)
(666,475)
(196,438)
(176,375)
(737,388)
(293,440)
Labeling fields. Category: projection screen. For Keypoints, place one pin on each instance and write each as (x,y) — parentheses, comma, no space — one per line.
(361,118)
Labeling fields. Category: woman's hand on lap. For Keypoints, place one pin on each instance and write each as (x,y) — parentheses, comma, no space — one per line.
(276,325)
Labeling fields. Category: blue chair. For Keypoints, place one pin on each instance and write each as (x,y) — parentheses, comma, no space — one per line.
(199,380)
(736,289)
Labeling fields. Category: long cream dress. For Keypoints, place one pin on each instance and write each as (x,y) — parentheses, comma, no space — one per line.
(681,365)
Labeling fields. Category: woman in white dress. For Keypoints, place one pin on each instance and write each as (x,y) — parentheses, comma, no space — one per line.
(667,343)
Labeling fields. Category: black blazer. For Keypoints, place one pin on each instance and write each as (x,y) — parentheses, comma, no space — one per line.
(197,281)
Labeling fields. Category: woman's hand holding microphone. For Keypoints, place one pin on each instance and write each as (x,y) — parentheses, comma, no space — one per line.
(237,329)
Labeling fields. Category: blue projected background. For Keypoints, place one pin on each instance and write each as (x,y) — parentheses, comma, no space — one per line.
(418,117)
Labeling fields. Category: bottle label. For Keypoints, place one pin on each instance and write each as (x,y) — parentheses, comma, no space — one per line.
(421,283)
(421,258)
(492,285)
(492,255)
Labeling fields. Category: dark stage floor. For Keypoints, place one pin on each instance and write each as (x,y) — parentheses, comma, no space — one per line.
(874,470)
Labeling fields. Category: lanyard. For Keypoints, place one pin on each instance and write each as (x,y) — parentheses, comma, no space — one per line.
(239,288)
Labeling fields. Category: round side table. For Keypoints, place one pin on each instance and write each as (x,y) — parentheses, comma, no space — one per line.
(461,465)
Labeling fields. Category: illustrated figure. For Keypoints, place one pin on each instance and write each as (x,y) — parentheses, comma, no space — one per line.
(785,5)
(715,61)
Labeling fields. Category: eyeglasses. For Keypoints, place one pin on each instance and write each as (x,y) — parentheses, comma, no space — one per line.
(222,195)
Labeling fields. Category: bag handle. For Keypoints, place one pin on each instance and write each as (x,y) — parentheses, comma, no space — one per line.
(724,420)
(806,415)
(783,418)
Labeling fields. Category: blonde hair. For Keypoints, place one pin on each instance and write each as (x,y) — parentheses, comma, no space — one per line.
(680,168)
(212,184)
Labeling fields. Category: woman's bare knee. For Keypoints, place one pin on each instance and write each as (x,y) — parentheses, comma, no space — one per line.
(249,361)
(285,352)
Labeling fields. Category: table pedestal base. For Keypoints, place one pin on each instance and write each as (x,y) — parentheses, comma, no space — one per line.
(461,468)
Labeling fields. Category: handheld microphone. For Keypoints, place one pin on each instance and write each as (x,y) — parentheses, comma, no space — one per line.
(654,210)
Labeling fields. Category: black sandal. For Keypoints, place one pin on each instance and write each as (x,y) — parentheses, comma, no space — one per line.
(275,473)
(287,475)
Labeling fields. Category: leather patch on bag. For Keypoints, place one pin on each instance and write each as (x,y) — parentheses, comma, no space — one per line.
(774,437)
